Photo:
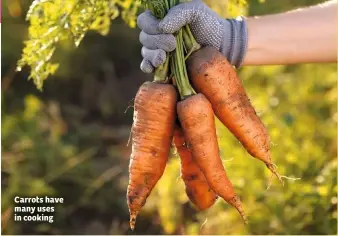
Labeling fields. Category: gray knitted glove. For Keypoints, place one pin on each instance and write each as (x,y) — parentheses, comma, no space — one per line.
(229,36)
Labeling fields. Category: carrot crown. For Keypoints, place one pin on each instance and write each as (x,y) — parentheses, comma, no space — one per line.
(175,61)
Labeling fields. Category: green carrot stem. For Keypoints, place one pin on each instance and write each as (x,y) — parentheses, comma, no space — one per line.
(173,3)
(179,69)
(161,72)
(187,41)
(190,42)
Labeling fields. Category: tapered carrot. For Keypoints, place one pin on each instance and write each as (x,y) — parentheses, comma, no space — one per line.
(212,75)
(197,119)
(152,132)
(196,186)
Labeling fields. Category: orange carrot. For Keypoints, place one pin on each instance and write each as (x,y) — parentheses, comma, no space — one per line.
(212,75)
(196,186)
(152,132)
(197,119)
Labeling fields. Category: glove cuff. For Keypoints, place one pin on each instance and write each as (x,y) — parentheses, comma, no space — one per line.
(235,40)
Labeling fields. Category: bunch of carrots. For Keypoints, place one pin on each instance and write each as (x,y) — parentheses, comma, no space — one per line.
(169,110)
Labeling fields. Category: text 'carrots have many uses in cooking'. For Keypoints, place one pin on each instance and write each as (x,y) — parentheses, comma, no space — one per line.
(160,103)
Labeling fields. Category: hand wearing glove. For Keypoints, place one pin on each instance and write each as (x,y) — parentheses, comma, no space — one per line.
(229,36)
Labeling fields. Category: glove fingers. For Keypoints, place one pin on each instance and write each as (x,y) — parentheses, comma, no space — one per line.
(146,66)
(177,17)
(166,42)
(148,23)
(156,57)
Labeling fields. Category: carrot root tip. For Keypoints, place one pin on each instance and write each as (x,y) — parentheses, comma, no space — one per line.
(270,182)
(237,204)
(178,179)
(130,135)
(128,108)
(272,168)
(206,219)
(273,144)
(227,160)
(289,178)
(132,220)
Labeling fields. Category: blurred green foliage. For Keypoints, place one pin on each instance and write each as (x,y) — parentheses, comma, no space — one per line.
(70,141)
(53,22)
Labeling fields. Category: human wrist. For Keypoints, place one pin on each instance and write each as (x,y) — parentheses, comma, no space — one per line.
(235,40)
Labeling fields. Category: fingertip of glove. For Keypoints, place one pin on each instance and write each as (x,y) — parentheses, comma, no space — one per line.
(162,26)
(140,19)
(171,43)
(161,57)
(146,67)
(145,19)
(166,26)
(167,42)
